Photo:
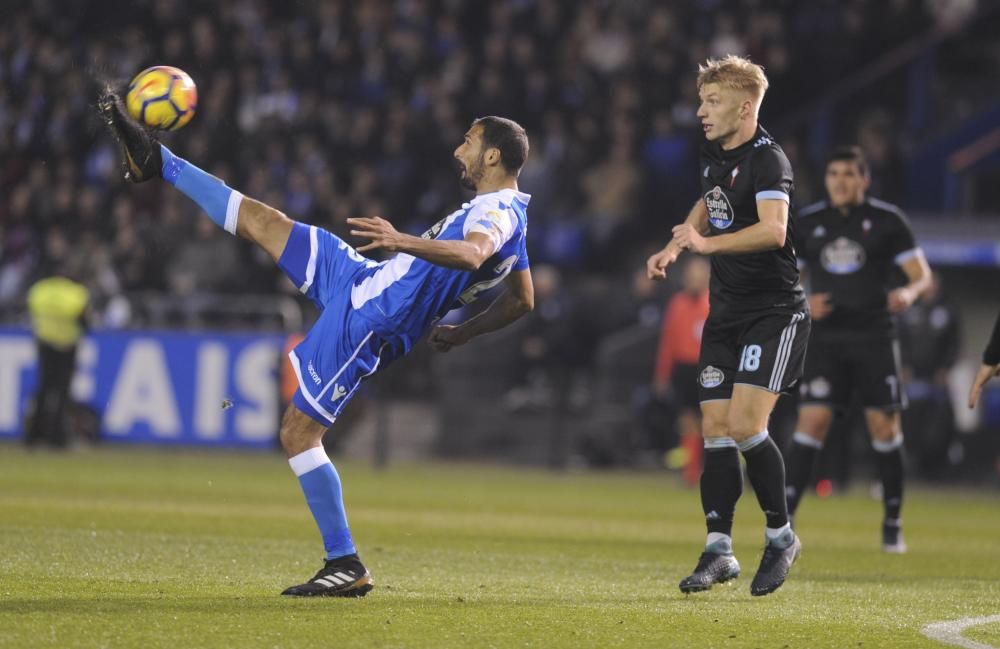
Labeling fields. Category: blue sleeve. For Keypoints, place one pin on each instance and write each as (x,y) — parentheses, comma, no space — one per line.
(522,253)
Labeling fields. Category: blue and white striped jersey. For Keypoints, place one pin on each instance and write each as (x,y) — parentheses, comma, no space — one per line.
(403,296)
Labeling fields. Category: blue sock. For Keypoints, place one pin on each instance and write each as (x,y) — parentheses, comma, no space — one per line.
(321,485)
(221,203)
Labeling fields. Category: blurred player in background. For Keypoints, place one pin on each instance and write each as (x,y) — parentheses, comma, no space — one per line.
(372,313)
(755,336)
(852,245)
(675,377)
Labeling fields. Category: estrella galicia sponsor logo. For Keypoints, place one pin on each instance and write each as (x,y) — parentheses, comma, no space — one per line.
(711,377)
(720,211)
(313,373)
(842,256)
(434,230)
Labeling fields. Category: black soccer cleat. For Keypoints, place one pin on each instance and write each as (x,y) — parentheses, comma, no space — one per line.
(774,567)
(892,536)
(342,577)
(712,568)
(141,159)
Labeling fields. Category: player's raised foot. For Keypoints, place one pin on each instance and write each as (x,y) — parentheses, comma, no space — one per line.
(892,536)
(775,564)
(341,577)
(141,159)
(712,568)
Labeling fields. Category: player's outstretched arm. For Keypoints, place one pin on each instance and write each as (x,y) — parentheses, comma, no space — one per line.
(144,158)
(463,254)
(990,366)
(514,302)
(985,373)
(767,234)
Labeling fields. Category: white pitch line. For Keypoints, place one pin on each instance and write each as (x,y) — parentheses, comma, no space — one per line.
(951,631)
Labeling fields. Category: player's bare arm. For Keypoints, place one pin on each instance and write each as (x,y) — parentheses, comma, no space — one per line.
(517,300)
(656,265)
(985,373)
(463,254)
(918,275)
(768,234)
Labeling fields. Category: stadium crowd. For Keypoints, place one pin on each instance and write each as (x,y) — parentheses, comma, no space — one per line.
(345,108)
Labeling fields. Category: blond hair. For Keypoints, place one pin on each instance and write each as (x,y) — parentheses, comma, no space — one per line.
(736,73)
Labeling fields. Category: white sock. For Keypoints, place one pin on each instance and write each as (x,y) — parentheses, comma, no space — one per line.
(719,543)
(778,534)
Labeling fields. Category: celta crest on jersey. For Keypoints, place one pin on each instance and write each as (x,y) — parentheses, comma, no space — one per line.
(720,210)
(711,377)
(842,256)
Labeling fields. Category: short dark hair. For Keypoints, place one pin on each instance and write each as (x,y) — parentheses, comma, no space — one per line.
(850,154)
(508,137)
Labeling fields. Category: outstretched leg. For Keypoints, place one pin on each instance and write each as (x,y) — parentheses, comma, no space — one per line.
(144,158)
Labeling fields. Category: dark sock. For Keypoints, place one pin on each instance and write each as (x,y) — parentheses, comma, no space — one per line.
(766,471)
(890,469)
(721,487)
(799,467)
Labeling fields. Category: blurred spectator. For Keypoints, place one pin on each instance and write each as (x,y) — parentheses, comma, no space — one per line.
(58,305)
(205,263)
(675,378)
(331,109)
(550,348)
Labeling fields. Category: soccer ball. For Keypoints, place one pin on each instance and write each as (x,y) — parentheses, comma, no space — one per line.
(162,97)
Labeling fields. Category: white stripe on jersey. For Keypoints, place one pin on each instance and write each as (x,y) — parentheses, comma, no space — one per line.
(390,272)
(311,265)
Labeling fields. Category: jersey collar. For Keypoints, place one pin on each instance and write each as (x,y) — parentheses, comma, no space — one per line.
(504,195)
(740,151)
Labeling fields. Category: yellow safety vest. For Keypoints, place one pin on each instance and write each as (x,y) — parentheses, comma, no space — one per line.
(56,305)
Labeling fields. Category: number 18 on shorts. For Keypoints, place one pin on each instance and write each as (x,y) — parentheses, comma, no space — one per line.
(766,351)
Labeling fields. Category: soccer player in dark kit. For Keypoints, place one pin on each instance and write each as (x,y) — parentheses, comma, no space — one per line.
(754,340)
(851,245)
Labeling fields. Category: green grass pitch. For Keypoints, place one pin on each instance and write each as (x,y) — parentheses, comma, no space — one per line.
(139,548)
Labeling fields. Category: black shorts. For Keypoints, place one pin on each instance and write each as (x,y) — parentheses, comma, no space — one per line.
(835,367)
(766,350)
(684,383)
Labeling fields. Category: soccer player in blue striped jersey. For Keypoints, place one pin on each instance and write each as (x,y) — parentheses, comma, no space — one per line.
(372,312)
